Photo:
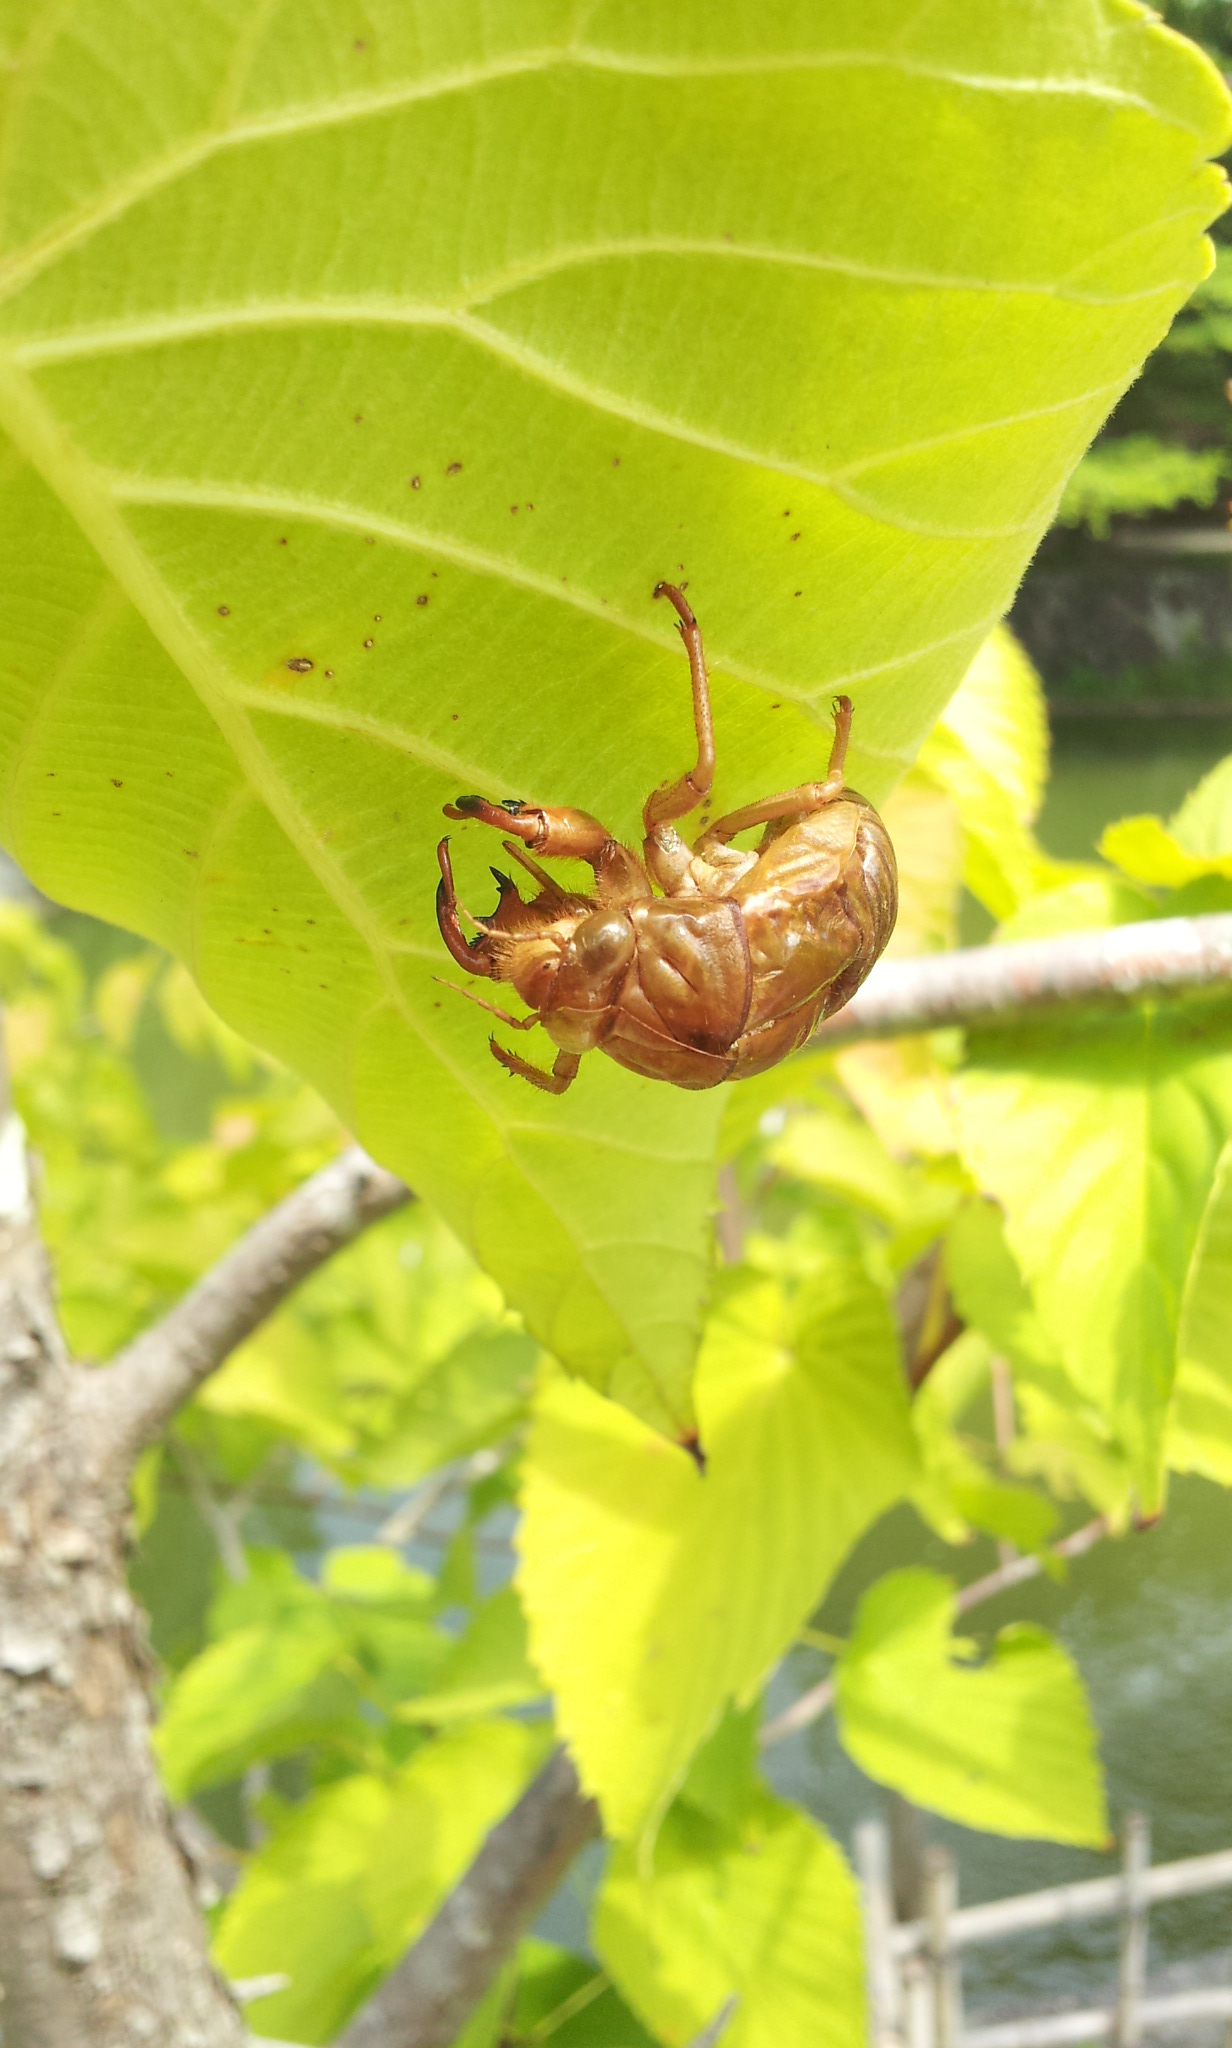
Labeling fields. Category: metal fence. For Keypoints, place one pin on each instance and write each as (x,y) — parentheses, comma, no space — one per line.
(915,1966)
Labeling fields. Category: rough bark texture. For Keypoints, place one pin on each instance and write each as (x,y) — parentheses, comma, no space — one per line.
(101,1938)
(141,1390)
(439,1982)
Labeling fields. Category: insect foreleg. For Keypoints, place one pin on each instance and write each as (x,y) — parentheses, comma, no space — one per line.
(564,1068)
(563,834)
(473,955)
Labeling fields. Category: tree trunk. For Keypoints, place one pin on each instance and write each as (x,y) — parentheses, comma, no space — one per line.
(102,1944)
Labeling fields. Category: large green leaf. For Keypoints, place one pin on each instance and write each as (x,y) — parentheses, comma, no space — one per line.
(1200,1422)
(1007,1745)
(655,1594)
(989,753)
(364,367)
(764,1911)
(1063,1437)
(1101,1145)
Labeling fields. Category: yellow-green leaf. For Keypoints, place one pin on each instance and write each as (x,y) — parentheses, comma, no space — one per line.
(1200,1421)
(655,1594)
(989,753)
(765,1912)
(1101,1147)
(361,373)
(351,1875)
(1007,1745)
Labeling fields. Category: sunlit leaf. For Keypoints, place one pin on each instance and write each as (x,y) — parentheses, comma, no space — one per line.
(362,372)
(1195,843)
(261,1692)
(1200,1422)
(960,1491)
(1101,1147)
(563,1997)
(1062,1438)
(764,1911)
(927,832)
(1007,1745)
(488,1670)
(351,1875)
(395,1359)
(656,1594)
(988,753)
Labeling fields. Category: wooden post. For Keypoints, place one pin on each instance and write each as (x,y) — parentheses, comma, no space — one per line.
(945,1970)
(872,1852)
(908,1848)
(1135,1862)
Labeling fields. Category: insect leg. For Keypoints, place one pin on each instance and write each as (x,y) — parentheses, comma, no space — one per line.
(493,1009)
(532,867)
(567,835)
(662,805)
(472,954)
(808,796)
(564,1068)
(838,752)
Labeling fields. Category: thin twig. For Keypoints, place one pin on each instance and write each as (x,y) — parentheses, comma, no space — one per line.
(133,1398)
(431,1994)
(987,985)
(819,1699)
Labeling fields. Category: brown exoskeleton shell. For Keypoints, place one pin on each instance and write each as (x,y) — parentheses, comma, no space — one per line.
(727,971)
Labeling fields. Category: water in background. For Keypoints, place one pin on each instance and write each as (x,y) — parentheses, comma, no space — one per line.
(1149,1623)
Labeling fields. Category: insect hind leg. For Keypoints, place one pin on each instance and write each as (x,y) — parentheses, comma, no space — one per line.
(791,803)
(684,795)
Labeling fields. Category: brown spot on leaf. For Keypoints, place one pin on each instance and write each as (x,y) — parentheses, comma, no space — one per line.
(369,643)
(416,483)
(224,611)
(452,468)
(422,598)
(300,665)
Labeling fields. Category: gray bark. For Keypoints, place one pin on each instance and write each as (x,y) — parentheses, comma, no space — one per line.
(139,1392)
(101,1939)
(429,1997)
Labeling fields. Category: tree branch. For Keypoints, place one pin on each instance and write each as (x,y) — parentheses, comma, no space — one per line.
(137,1394)
(990,985)
(427,2000)
(819,1699)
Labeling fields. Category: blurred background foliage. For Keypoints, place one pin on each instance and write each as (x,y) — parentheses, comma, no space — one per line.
(1168,445)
